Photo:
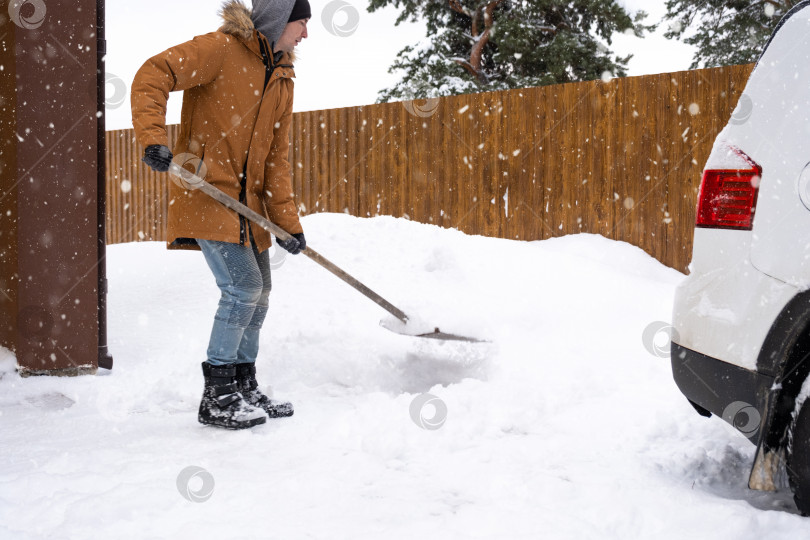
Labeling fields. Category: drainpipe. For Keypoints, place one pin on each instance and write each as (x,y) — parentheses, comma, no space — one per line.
(105,360)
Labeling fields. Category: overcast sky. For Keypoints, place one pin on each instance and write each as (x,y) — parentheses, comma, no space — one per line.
(343,63)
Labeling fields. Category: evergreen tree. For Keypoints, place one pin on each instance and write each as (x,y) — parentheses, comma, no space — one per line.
(482,45)
(727,32)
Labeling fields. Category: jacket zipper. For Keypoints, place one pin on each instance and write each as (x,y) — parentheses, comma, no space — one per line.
(243,200)
(269,67)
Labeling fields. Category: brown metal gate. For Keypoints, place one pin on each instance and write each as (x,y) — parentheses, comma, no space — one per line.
(50,276)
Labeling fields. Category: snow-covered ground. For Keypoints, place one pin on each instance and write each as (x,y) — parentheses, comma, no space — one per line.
(564,425)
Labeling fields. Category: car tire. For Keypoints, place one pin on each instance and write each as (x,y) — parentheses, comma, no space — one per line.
(798,460)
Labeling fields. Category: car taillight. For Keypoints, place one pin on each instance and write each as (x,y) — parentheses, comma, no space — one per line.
(728,198)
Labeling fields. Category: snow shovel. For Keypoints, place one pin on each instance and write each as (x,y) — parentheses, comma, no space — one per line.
(192,181)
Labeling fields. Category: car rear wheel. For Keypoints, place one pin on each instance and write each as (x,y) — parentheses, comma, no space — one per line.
(798,460)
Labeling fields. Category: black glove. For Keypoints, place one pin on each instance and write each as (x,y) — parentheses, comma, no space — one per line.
(294,245)
(158,157)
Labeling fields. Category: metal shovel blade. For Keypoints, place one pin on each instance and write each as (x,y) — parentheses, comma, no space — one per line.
(438,334)
(402,330)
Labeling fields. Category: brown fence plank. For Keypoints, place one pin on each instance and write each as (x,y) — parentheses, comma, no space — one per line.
(621,158)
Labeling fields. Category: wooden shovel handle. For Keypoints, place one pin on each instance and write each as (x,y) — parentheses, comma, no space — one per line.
(195,182)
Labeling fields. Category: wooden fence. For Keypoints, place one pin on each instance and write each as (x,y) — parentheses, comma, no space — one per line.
(621,158)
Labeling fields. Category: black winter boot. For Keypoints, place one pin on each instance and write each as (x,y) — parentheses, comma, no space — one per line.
(249,388)
(222,405)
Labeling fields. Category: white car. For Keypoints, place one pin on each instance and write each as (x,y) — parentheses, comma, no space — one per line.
(741,320)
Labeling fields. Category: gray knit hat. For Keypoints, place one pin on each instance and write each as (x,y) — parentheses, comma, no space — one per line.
(271,16)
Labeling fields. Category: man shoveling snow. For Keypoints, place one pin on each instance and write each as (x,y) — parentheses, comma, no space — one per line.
(237,110)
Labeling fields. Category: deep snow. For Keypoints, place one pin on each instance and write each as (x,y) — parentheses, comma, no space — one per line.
(563,426)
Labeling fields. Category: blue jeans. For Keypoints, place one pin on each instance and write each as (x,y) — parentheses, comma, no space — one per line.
(243,276)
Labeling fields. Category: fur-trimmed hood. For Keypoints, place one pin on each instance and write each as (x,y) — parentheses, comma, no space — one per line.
(236,19)
(269,17)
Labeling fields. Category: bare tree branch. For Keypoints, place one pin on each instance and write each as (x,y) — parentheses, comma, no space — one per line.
(478,49)
(455,5)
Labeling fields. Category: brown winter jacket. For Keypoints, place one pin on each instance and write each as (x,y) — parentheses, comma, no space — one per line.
(229,122)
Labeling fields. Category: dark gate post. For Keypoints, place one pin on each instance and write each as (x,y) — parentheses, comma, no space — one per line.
(52,172)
